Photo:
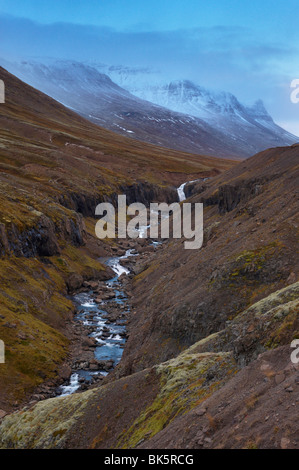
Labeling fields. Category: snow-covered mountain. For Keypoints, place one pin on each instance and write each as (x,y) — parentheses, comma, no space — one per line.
(220,109)
(215,108)
(179,115)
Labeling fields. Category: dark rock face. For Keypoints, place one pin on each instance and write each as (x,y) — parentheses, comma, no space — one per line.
(143,192)
(194,188)
(228,197)
(147,193)
(42,238)
(4,244)
(36,241)
(80,203)
(41,241)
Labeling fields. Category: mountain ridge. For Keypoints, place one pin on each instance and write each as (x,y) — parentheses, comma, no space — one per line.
(232,133)
(155,90)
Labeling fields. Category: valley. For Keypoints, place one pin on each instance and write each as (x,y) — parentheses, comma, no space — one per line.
(129,344)
(55,168)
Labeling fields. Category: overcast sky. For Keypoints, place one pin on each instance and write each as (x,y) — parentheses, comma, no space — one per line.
(248,48)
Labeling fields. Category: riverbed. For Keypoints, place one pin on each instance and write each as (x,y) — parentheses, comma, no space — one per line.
(110,336)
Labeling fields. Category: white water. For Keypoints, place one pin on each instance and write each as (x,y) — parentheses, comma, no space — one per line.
(109,348)
(181,192)
(181,189)
(117,267)
(72,387)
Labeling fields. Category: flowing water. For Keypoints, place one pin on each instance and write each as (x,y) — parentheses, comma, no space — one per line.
(181,189)
(93,314)
(181,192)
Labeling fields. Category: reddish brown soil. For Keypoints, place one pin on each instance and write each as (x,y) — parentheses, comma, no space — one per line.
(256,409)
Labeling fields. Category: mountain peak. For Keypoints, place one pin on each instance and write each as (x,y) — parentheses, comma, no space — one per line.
(177,113)
(259,110)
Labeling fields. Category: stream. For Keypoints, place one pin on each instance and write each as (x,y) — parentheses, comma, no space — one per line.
(110,336)
(181,189)
(94,315)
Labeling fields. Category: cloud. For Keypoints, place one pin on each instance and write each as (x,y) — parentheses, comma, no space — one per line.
(233,58)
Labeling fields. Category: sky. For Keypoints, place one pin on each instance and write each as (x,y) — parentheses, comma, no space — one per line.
(250,49)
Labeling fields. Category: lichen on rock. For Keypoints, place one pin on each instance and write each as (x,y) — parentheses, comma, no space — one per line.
(46,425)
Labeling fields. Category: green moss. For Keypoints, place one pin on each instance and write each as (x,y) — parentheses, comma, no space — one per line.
(254,261)
(271,322)
(46,425)
(34,310)
(185,382)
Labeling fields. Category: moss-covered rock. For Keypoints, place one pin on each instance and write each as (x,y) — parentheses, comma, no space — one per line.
(185,382)
(267,324)
(271,322)
(46,425)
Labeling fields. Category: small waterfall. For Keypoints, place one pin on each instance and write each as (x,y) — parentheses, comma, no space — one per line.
(181,192)
(181,189)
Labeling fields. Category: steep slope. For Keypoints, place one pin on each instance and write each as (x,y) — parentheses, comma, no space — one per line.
(250,236)
(55,167)
(27,113)
(208,356)
(200,399)
(261,414)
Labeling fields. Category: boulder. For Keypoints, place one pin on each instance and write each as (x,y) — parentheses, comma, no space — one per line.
(65,372)
(74,282)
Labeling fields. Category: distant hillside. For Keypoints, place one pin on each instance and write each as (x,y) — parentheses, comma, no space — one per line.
(178,115)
